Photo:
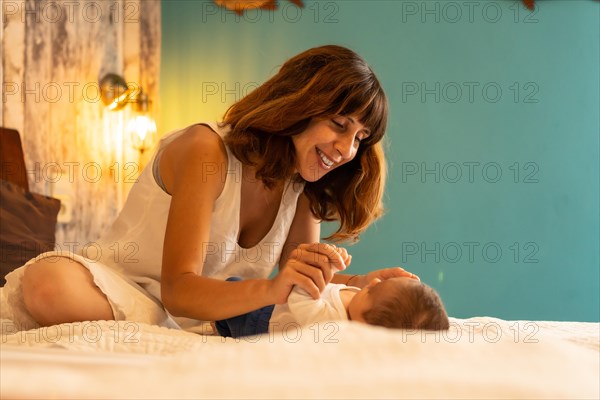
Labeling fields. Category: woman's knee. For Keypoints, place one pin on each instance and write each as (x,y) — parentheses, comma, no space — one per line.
(62,290)
(42,282)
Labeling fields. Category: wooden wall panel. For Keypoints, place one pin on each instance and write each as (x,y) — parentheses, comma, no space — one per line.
(58,51)
(149,46)
(132,42)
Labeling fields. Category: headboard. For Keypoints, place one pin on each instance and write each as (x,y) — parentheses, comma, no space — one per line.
(27,220)
(12,168)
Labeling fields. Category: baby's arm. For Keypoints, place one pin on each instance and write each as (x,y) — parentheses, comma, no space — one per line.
(307,310)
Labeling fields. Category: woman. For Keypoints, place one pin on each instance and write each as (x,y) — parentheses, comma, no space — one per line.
(235,199)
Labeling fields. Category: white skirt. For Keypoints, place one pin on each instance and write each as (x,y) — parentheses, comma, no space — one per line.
(129,302)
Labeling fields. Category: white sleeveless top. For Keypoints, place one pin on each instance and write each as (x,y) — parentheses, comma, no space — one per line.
(133,245)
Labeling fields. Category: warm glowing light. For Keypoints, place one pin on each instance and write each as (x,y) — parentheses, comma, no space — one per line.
(142,130)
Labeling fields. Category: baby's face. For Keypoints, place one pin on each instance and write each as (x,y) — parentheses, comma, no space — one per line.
(377,290)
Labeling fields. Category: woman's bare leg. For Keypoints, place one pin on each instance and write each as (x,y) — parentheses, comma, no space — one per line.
(59,289)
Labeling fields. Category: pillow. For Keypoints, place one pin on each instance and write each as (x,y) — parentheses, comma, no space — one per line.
(27,226)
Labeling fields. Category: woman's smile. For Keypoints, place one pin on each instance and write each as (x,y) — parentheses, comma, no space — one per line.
(326,162)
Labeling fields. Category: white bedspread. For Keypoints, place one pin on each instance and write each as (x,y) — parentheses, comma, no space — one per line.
(477,358)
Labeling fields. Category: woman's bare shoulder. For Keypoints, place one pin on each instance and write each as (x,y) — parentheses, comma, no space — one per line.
(199,150)
(198,138)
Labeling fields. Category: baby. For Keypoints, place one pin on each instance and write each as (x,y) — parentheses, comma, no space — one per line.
(402,303)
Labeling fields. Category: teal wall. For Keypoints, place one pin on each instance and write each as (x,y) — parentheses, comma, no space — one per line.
(493,140)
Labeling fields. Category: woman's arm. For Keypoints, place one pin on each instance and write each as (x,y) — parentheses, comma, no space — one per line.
(193,168)
(306,228)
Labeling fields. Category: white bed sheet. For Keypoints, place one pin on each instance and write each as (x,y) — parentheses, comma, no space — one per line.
(478,358)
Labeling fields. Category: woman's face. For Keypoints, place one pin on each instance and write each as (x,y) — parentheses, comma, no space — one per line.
(326,144)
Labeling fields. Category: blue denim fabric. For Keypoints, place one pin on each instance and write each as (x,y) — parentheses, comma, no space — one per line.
(252,323)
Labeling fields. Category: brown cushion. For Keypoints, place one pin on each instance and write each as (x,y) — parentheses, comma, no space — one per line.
(27,226)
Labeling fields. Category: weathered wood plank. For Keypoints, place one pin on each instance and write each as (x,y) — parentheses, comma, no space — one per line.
(131,40)
(36,90)
(150,47)
(95,189)
(13,61)
(63,114)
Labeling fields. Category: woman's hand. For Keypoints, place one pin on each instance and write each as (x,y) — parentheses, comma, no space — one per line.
(383,274)
(310,266)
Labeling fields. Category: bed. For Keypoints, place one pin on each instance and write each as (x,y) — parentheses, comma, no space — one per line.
(477,358)
(481,357)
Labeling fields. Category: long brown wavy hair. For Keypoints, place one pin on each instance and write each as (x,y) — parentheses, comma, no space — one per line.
(319,83)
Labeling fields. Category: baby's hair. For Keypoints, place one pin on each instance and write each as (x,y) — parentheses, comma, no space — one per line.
(413,306)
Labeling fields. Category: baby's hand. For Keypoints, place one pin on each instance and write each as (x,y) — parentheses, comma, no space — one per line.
(344,254)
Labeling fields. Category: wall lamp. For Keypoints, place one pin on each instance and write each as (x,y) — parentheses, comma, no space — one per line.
(116,94)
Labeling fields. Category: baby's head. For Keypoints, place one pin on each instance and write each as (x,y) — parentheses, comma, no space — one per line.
(402,303)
